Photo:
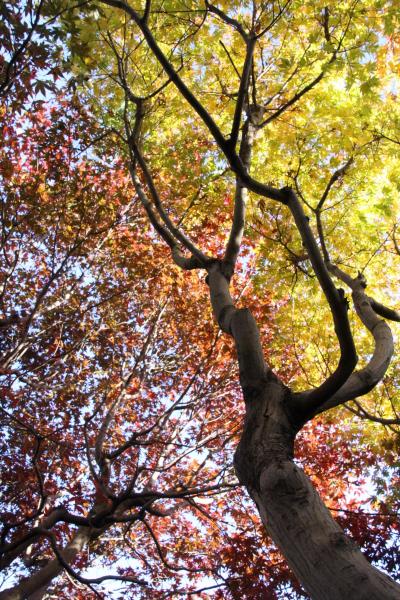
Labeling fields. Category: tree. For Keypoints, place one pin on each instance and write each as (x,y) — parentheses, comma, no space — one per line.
(81,339)
(287,103)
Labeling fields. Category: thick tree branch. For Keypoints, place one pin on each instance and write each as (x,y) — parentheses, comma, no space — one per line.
(242,93)
(146,12)
(384,311)
(10,551)
(241,325)
(309,402)
(239,213)
(44,576)
(365,379)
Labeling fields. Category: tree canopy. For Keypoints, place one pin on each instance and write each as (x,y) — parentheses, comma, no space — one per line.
(194,197)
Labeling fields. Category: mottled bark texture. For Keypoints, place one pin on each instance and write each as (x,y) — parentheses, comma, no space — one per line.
(327,563)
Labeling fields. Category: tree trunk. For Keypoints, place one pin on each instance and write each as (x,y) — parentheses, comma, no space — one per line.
(327,563)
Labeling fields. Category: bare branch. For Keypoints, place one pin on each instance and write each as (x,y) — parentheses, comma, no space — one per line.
(161,230)
(274,20)
(318,78)
(101,456)
(178,235)
(230,59)
(11,71)
(161,553)
(294,99)
(335,176)
(228,20)
(187,263)
(364,414)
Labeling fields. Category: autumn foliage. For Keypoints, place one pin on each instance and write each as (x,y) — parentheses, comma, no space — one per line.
(121,407)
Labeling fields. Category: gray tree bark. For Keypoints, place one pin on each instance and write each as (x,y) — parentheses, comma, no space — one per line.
(327,563)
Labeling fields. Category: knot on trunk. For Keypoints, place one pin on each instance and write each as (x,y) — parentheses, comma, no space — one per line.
(340,540)
(224,317)
(283,479)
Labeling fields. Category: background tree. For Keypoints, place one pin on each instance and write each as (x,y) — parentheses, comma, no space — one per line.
(29,55)
(129,393)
